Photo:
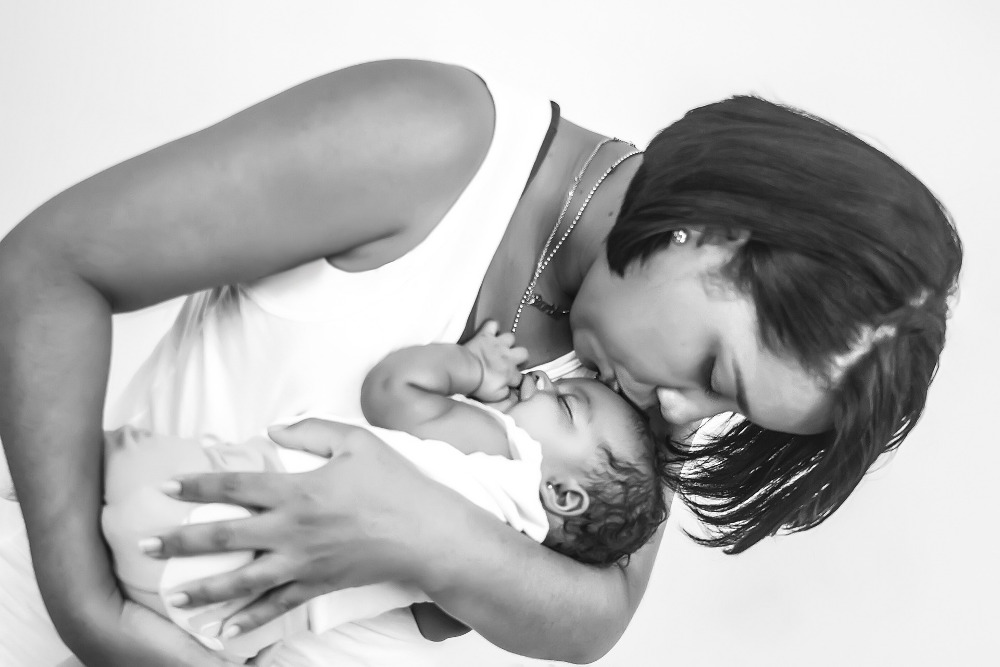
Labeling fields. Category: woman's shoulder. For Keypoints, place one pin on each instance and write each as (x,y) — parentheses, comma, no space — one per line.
(431,94)
(406,137)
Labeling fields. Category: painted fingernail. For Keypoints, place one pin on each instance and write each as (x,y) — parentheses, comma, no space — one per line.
(178,599)
(230,631)
(211,629)
(151,546)
(171,487)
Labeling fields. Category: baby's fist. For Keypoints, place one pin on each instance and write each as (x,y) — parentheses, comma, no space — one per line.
(499,359)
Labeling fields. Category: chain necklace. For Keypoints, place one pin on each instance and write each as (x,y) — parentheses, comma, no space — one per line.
(533,298)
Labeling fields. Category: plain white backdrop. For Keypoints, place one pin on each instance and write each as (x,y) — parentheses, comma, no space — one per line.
(905,573)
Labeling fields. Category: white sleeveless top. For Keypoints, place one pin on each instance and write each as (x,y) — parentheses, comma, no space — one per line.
(239,357)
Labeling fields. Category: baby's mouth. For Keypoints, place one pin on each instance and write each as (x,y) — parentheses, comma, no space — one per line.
(530,384)
(524,389)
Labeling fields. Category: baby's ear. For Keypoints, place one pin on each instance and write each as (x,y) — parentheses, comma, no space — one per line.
(565,497)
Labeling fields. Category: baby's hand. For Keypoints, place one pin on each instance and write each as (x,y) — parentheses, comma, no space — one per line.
(499,359)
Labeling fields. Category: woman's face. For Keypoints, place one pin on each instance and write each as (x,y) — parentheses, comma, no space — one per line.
(673,331)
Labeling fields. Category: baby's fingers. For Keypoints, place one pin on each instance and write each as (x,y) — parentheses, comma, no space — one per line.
(517,355)
(506,339)
(489,329)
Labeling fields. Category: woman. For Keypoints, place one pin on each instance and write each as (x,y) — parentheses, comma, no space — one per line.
(763,262)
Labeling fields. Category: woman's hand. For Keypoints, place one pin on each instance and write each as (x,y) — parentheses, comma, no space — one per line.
(121,632)
(360,519)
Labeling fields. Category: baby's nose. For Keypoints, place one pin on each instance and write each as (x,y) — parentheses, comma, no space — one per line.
(542,380)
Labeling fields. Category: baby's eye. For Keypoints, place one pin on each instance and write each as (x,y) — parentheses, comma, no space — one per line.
(564,402)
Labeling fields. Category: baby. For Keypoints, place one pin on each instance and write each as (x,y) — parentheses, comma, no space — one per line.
(569,463)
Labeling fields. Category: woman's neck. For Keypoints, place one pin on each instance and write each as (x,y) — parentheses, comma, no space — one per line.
(581,248)
(546,337)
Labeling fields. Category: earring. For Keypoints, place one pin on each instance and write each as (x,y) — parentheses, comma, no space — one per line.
(680,236)
(549,486)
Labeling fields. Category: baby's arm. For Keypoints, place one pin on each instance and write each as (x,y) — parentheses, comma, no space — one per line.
(409,390)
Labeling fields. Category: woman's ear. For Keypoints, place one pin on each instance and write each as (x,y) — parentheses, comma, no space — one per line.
(565,497)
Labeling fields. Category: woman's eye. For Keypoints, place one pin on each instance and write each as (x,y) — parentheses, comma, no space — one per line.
(709,390)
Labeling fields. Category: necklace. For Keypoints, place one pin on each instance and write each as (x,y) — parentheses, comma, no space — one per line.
(533,298)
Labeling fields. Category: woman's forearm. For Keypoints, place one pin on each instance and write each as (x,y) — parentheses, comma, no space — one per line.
(530,600)
(54,351)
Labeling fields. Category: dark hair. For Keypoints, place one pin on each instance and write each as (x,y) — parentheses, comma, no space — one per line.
(843,242)
(626,506)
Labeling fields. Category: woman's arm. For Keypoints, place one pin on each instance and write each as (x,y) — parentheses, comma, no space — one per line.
(519,595)
(356,164)
(55,459)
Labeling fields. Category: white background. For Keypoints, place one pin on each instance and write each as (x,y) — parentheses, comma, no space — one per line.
(905,573)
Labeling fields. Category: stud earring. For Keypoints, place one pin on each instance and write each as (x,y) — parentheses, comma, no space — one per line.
(680,236)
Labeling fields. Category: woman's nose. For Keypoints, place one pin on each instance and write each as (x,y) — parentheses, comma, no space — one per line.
(678,407)
(607,377)
(610,381)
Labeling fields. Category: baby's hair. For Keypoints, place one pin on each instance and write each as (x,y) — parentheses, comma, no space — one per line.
(626,505)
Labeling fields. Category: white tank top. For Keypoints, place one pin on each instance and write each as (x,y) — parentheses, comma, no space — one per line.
(239,357)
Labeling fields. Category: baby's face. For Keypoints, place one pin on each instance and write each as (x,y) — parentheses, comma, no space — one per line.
(570,419)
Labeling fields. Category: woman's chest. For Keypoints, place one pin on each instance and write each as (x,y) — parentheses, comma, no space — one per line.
(503,295)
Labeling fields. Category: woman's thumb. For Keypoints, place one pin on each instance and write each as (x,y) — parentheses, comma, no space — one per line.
(315,436)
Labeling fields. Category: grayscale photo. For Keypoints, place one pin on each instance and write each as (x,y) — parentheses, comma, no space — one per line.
(419,334)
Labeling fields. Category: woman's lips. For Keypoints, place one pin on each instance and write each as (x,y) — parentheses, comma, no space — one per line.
(642,399)
(591,354)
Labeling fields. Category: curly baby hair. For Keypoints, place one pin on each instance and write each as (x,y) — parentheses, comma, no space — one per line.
(626,506)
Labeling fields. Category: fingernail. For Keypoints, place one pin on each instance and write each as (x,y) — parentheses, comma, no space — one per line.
(151,546)
(230,631)
(211,629)
(178,599)
(171,487)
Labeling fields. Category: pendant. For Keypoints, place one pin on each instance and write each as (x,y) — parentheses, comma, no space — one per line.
(549,309)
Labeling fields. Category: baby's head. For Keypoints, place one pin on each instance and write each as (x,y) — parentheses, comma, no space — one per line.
(600,484)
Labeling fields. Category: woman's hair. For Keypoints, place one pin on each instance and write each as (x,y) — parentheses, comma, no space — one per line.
(850,262)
